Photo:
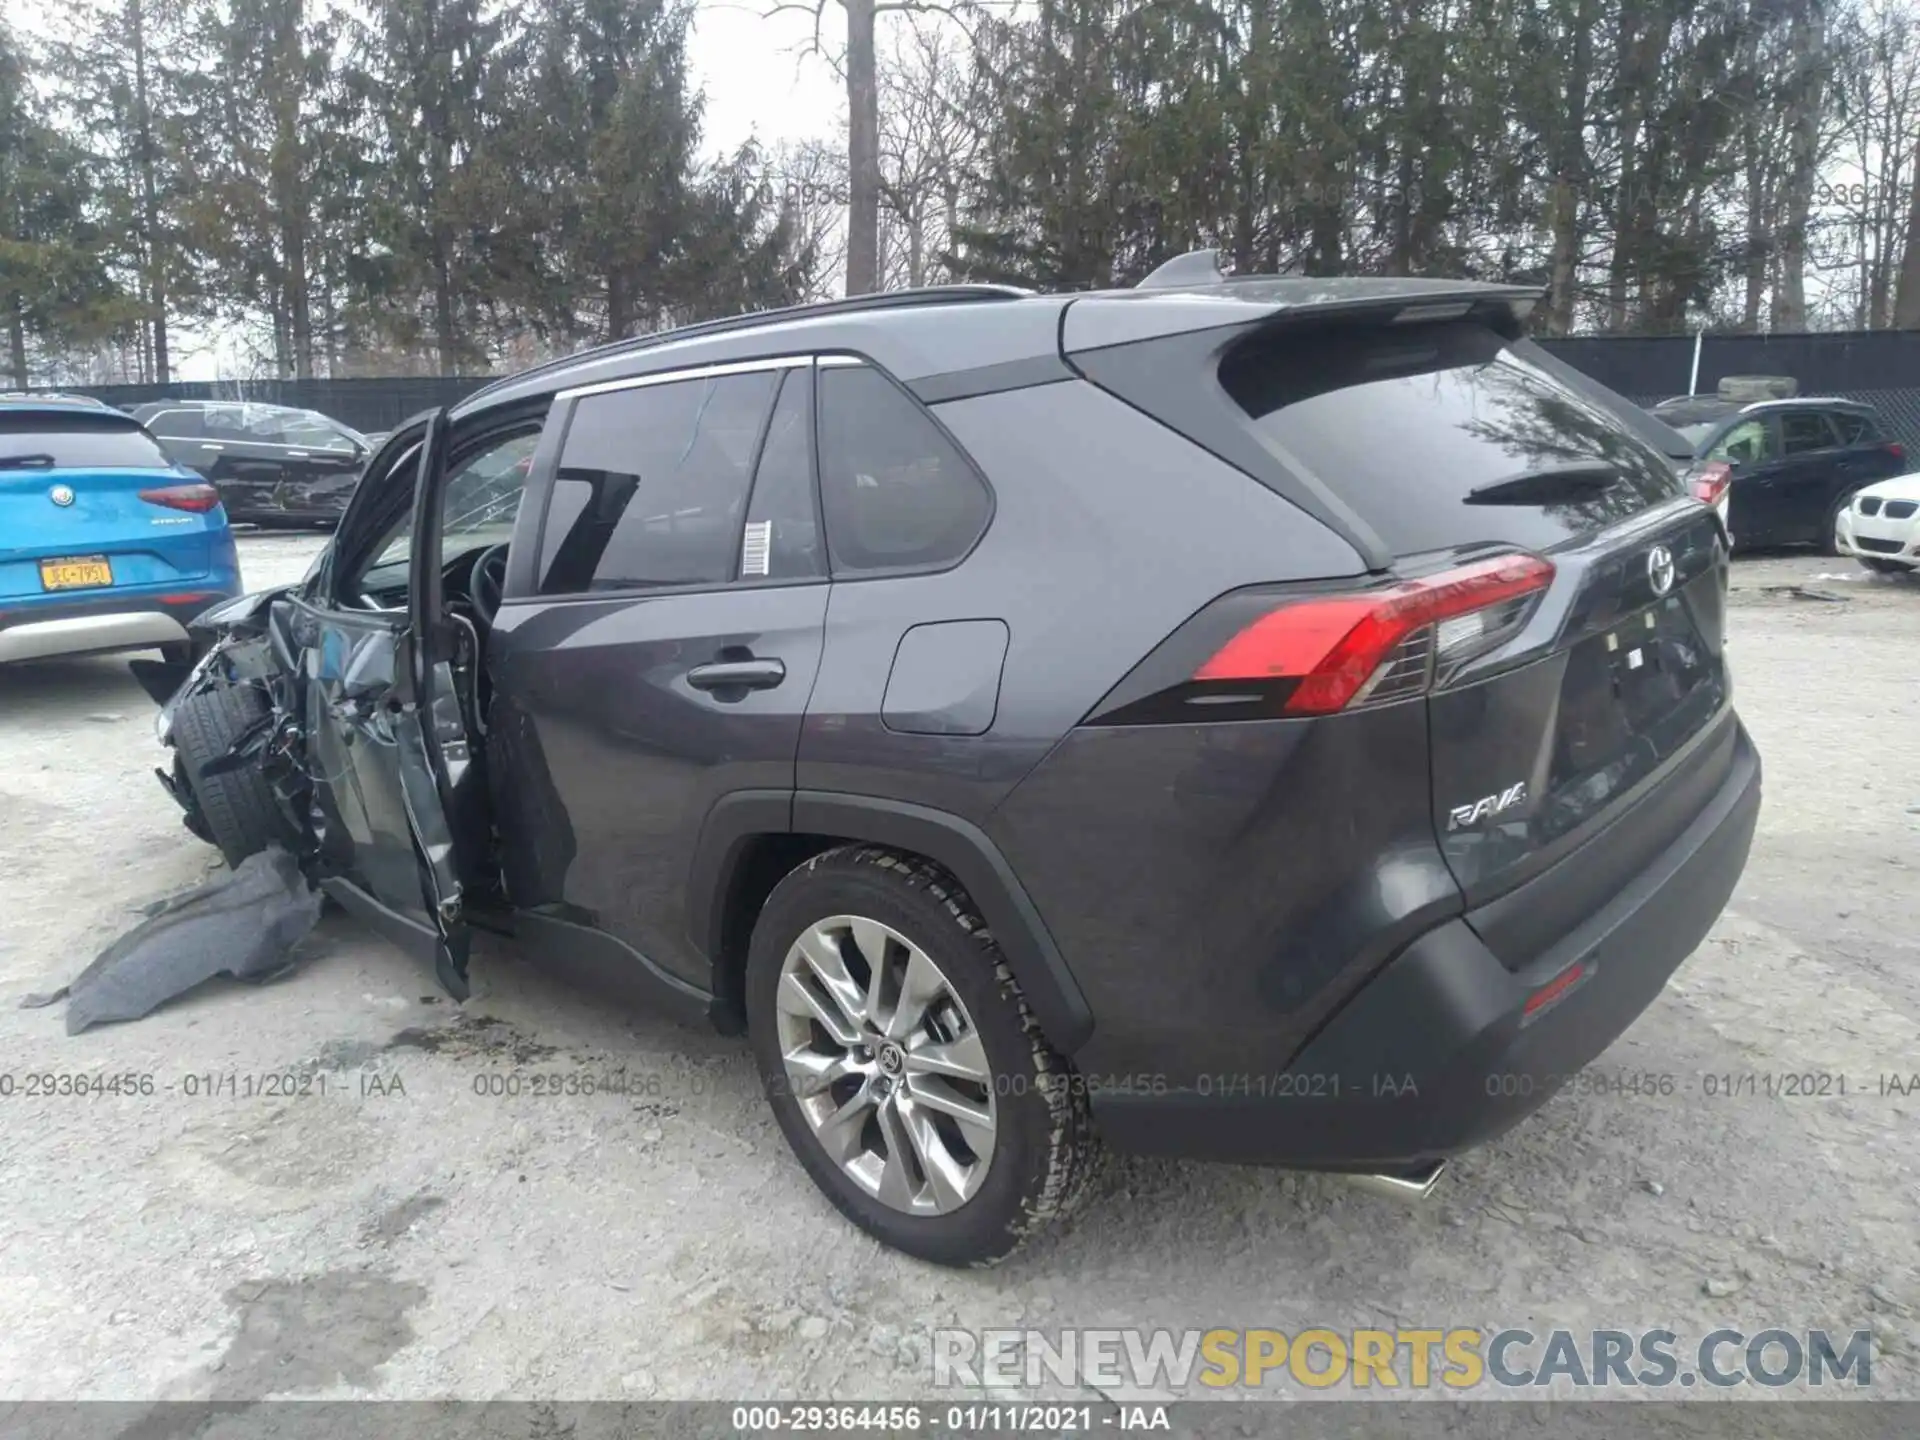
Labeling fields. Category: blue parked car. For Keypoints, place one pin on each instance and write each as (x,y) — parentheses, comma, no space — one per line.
(105,543)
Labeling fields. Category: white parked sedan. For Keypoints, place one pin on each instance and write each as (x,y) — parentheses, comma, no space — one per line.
(1880,527)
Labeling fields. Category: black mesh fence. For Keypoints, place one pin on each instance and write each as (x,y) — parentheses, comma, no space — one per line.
(1880,367)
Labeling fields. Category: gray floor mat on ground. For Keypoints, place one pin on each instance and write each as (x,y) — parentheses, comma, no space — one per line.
(244,923)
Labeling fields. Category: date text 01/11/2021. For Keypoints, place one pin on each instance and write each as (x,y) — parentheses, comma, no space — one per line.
(973,1418)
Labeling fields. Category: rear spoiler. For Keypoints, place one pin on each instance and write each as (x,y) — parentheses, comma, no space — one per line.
(1159,350)
(1163,308)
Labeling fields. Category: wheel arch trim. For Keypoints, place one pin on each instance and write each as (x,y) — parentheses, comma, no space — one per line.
(951,842)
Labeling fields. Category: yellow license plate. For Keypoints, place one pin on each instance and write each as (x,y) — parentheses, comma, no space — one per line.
(75,572)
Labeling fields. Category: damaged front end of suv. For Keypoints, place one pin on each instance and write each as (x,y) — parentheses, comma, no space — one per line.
(239,770)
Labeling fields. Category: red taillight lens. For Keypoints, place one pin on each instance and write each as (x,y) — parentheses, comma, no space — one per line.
(1553,989)
(1346,650)
(200,498)
(1710,481)
(1896,449)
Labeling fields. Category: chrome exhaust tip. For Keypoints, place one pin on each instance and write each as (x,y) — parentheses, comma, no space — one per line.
(1410,1185)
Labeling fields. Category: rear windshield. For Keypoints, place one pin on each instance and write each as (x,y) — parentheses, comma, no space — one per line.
(79,442)
(1402,423)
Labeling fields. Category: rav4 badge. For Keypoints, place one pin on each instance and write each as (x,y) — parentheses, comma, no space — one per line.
(1486,807)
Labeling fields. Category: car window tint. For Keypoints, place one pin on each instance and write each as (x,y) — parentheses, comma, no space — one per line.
(1804,430)
(652,483)
(1853,427)
(782,536)
(79,442)
(895,491)
(177,425)
(315,432)
(1748,441)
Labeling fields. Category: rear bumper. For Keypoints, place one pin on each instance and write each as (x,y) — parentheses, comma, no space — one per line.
(1436,1054)
(108,620)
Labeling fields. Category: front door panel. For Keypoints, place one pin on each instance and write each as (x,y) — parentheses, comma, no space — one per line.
(611,738)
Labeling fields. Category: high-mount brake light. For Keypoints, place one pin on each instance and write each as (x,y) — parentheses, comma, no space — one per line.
(198,498)
(1347,650)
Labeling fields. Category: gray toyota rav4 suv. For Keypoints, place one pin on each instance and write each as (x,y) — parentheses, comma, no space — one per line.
(1273,720)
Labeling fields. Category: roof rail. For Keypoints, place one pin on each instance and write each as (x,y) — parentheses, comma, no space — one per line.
(1792,400)
(1196,267)
(852,304)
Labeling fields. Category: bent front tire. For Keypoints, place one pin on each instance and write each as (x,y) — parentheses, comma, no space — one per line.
(237,808)
(903,1064)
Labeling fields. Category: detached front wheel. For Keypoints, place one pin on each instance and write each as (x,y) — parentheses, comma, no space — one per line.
(903,1065)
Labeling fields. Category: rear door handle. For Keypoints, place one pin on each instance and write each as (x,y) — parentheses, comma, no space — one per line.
(738,674)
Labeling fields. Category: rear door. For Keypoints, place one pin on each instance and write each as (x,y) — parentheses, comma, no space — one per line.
(1813,474)
(654,652)
(1553,713)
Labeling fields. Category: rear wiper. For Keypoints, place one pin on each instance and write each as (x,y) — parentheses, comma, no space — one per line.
(1571,480)
(33,460)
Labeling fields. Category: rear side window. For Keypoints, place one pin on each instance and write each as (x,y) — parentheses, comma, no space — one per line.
(1403,423)
(1853,427)
(896,493)
(178,425)
(651,488)
(59,442)
(1803,430)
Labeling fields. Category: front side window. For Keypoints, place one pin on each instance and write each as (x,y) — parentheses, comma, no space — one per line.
(1746,442)
(651,488)
(316,432)
(479,502)
(896,493)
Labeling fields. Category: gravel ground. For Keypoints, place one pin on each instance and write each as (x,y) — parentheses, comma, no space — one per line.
(402,1235)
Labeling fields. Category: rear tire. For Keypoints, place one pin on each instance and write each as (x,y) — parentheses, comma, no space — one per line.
(237,808)
(966,1192)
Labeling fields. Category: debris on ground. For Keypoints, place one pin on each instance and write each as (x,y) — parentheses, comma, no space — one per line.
(244,924)
(1805,592)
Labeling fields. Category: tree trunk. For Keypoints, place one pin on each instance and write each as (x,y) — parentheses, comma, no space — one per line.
(1906,305)
(446,342)
(149,189)
(863,152)
(17,340)
(1570,168)
(1808,44)
(619,305)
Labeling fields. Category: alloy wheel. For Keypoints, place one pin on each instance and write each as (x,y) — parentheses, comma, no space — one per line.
(886,1065)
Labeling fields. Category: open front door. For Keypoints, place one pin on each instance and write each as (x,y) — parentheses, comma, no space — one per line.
(386,743)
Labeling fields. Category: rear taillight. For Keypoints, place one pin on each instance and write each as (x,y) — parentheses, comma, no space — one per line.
(1336,652)
(200,498)
(1896,449)
(1710,480)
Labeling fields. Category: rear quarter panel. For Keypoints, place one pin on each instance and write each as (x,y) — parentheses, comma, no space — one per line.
(1109,530)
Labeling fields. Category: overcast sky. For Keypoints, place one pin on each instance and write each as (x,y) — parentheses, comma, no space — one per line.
(755,80)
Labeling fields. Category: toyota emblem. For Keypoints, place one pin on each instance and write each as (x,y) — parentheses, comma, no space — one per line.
(61,494)
(1660,569)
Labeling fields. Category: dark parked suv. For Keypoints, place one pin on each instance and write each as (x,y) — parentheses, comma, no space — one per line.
(1787,467)
(1267,720)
